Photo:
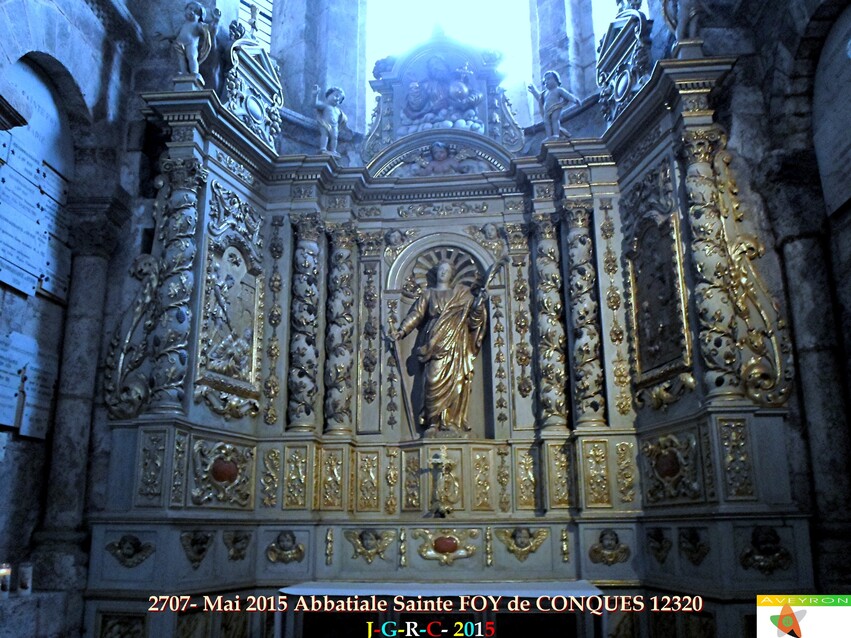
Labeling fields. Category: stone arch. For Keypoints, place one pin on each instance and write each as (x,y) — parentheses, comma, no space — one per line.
(792,76)
(42,34)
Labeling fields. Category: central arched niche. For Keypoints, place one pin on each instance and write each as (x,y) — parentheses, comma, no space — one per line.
(410,274)
(414,155)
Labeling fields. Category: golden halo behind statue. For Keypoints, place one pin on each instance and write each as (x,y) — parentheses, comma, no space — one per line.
(422,275)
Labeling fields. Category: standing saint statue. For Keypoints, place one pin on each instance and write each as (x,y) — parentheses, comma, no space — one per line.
(455,323)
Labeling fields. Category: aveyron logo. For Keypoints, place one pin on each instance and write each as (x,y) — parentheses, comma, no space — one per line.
(787,622)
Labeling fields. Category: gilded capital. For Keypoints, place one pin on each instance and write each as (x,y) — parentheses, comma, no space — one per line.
(308,227)
(577,214)
(342,235)
(184,172)
(700,144)
(370,243)
(517,237)
(545,225)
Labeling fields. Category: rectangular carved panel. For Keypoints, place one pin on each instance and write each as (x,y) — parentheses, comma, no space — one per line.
(367,481)
(595,469)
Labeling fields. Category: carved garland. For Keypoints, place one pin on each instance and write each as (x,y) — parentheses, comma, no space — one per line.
(551,338)
(584,315)
(743,339)
(304,354)
(272,384)
(339,342)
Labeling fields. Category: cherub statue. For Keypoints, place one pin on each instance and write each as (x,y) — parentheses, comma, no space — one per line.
(194,40)
(331,117)
(553,99)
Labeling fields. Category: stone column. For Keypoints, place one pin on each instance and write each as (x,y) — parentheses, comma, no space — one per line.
(60,558)
(176,213)
(589,397)
(304,355)
(339,340)
(550,329)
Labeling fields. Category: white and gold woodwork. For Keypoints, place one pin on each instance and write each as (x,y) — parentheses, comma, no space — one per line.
(622,409)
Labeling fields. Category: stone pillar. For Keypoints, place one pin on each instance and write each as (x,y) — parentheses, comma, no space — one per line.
(550,344)
(322,42)
(339,340)
(552,43)
(60,558)
(304,355)
(176,214)
(589,397)
(582,51)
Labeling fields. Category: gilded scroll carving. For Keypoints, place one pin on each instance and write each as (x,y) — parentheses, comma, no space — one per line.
(743,339)
(304,354)
(329,546)
(589,399)
(146,361)
(272,384)
(519,248)
(737,459)
(500,373)
(295,492)
(446,492)
(391,479)
(332,479)
(503,477)
(367,481)
(369,333)
(482,480)
(559,474)
(661,343)
(271,474)
(412,480)
(550,331)
(671,464)
(446,545)
(339,341)
(626,471)
(223,473)
(526,479)
(178,478)
(151,466)
(620,371)
(597,493)
(228,377)
(392,374)
(441,209)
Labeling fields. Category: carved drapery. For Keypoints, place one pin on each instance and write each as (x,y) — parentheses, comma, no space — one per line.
(589,398)
(551,337)
(304,353)
(743,339)
(339,340)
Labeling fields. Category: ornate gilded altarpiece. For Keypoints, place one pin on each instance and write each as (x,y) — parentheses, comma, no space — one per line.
(453,364)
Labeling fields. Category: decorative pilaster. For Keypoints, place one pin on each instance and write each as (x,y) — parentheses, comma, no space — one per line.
(550,329)
(339,340)
(176,214)
(589,398)
(304,355)
(743,339)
